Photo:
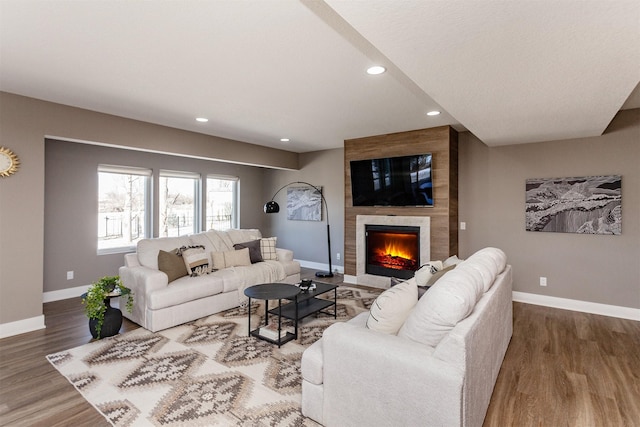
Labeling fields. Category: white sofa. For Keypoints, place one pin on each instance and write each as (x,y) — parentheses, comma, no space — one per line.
(160,304)
(436,371)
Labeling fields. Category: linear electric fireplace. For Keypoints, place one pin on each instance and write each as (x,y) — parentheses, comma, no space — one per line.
(392,251)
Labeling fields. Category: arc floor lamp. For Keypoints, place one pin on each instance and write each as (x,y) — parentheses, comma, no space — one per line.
(273,207)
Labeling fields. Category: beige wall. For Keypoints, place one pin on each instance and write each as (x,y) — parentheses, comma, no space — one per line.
(594,268)
(71,200)
(603,269)
(24,123)
(308,239)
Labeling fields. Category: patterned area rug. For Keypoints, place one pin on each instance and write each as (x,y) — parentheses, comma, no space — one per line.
(203,373)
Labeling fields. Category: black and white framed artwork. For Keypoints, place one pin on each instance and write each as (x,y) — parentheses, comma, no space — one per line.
(304,204)
(586,205)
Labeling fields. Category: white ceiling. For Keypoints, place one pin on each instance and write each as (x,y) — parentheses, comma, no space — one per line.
(509,71)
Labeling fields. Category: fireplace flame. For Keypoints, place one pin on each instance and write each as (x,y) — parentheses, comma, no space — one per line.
(395,249)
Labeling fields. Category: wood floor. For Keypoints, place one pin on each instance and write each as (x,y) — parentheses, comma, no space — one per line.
(562,368)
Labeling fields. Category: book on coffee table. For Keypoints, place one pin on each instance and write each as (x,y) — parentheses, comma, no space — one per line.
(271,331)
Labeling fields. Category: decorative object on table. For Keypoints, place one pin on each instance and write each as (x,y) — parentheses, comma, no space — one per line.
(305,285)
(304,203)
(9,162)
(585,205)
(273,207)
(104,320)
(163,382)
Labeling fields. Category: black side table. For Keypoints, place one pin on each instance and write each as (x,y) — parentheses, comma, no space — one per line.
(274,291)
(112,318)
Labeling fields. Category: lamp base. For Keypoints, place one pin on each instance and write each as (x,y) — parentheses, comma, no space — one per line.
(324,274)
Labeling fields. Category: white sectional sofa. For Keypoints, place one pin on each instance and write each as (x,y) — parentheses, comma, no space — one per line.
(161,303)
(439,369)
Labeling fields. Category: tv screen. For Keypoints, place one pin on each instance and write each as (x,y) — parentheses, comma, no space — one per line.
(392,181)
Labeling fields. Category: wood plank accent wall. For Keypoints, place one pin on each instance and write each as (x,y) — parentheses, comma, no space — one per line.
(442,142)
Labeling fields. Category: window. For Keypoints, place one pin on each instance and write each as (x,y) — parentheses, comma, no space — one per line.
(221,203)
(123,207)
(178,203)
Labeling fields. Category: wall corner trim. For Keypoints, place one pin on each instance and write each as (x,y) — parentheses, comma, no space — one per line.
(21,326)
(577,305)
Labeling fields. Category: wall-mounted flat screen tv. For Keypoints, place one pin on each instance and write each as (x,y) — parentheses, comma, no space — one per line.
(392,181)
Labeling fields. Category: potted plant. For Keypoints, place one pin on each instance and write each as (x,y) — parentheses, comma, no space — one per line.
(104,320)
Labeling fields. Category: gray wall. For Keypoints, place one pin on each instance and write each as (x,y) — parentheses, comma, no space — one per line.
(308,239)
(604,269)
(595,268)
(24,124)
(71,183)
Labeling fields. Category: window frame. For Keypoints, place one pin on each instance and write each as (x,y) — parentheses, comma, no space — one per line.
(235,205)
(197,197)
(148,208)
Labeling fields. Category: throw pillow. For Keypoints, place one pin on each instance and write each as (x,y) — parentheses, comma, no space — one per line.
(217,260)
(196,259)
(268,248)
(255,253)
(389,311)
(171,264)
(237,258)
(425,272)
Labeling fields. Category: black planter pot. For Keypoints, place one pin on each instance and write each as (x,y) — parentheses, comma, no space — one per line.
(112,322)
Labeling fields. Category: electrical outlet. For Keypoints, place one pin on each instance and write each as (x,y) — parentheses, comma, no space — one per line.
(338,255)
(69,275)
(463,226)
(543,281)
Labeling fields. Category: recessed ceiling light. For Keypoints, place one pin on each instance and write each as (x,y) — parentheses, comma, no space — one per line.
(202,119)
(376,69)
(284,140)
(433,113)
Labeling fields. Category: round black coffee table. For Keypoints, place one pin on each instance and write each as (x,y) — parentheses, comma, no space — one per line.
(273,291)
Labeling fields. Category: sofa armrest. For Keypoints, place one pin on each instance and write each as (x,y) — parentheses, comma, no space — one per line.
(142,281)
(372,378)
(284,254)
(131,260)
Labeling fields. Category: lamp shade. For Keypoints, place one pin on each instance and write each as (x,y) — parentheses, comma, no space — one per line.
(271,207)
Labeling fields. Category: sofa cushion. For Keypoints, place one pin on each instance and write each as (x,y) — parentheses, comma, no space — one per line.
(268,248)
(255,253)
(497,256)
(171,264)
(212,240)
(243,235)
(448,301)
(483,267)
(148,249)
(183,290)
(489,262)
(389,311)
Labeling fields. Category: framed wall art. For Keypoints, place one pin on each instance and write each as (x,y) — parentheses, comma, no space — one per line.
(304,204)
(586,205)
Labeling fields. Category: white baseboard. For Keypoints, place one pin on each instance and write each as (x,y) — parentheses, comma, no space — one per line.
(21,326)
(576,305)
(64,293)
(321,266)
